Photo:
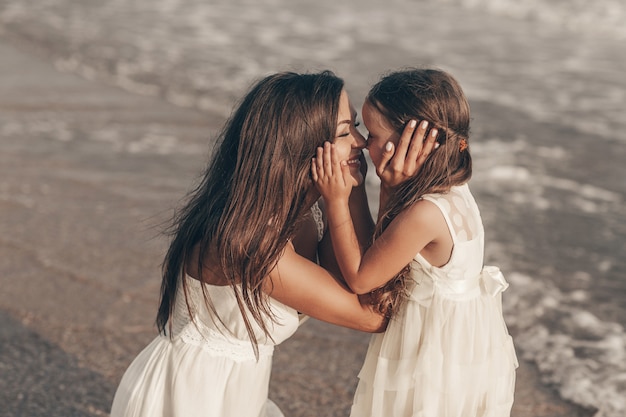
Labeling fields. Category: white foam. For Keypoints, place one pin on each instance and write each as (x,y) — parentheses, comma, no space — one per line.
(577,352)
(524,186)
(605,16)
(51,128)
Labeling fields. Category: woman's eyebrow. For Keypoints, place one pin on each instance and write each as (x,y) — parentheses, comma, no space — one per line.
(354,116)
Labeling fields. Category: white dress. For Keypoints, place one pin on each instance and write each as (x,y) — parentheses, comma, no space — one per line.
(448,352)
(204,370)
(208,367)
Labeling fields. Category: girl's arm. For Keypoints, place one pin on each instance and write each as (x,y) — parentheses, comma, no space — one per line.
(364,227)
(308,288)
(408,234)
(394,249)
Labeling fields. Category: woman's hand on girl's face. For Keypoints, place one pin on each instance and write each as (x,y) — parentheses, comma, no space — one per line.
(415,144)
(330,175)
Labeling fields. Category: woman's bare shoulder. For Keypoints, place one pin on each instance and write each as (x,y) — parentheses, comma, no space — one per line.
(211,272)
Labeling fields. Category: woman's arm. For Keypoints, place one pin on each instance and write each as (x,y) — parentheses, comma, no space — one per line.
(308,288)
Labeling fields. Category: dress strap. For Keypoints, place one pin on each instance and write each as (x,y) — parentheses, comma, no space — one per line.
(460,211)
(318,217)
(437,201)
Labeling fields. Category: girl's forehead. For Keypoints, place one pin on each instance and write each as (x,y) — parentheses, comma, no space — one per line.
(374,118)
(371,113)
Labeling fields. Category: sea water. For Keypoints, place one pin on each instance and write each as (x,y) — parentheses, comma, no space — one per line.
(546,78)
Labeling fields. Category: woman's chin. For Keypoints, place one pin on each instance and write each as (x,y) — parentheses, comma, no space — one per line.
(357,179)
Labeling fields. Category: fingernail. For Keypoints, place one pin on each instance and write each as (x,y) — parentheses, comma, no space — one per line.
(412,123)
(424,124)
(433,132)
(388,146)
(436,145)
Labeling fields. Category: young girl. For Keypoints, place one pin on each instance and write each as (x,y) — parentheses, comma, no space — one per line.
(446,351)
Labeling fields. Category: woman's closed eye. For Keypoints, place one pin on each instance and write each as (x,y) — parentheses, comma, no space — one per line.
(344,134)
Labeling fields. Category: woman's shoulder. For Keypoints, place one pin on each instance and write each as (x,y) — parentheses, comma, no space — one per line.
(209,274)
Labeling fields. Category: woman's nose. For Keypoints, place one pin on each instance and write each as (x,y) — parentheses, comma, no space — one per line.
(359,140)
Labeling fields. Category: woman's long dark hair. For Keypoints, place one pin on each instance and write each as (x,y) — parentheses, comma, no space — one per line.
(435,96)
(253,192)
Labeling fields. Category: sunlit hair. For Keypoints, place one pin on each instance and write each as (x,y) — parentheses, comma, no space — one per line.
(434,96)
(253,192)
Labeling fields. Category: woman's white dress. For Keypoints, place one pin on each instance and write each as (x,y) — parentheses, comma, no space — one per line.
(205,369)
(448,352)
(208,367)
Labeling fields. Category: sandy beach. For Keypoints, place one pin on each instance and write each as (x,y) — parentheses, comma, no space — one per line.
(107,115)
(77,208)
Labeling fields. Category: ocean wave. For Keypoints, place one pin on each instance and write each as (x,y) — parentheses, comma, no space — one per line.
(603,16)
(576,352)
(580,355)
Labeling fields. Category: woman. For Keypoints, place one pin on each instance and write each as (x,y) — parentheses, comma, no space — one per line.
(233,280)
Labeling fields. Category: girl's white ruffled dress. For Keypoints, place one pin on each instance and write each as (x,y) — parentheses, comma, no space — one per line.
(208,368)
(448,352)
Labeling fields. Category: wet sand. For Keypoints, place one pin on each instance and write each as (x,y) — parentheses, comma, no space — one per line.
(87,174)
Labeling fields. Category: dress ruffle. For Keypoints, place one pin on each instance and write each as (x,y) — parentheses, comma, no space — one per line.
(448,352)
(208,368)
(446,343)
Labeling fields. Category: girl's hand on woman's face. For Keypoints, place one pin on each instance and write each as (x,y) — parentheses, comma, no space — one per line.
(330,175)
(415,144)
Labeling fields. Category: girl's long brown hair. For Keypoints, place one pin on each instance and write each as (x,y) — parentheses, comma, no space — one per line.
(252,195)
(435,96)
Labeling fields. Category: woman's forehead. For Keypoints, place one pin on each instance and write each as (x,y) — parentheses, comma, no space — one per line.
(345,107)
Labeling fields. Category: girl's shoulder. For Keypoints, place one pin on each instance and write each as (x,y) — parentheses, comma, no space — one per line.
(441,205)
(460,211)
(424,213)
